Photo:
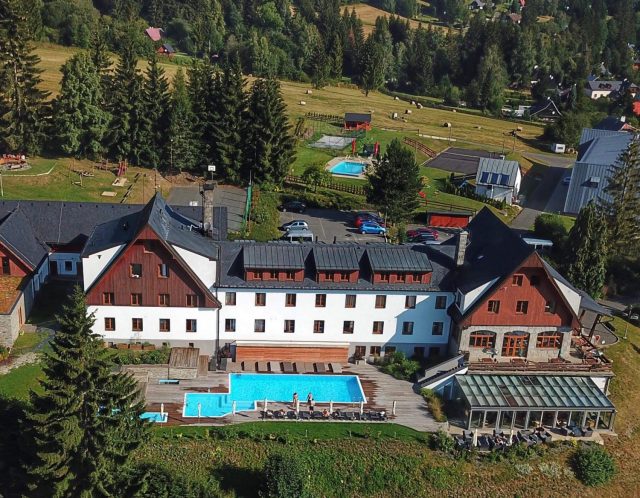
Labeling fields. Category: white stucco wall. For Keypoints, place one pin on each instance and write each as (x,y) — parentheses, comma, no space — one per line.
(202,266)
(95,264)
(61,257)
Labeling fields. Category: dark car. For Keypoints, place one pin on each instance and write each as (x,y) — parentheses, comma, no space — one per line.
(423,237)
(293,206)
(366,217)
(417,231)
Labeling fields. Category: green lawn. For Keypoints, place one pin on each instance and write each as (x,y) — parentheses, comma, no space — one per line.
(18,382)
(27,342)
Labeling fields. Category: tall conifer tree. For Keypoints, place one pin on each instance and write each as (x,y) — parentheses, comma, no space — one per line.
(183,145)
(155,94)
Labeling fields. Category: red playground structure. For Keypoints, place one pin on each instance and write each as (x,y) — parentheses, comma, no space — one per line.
(122,168)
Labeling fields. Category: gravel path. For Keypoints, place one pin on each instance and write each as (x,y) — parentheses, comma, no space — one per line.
(27,358)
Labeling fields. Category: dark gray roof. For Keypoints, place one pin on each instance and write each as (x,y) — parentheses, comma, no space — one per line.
(597,85)
(283,256)
(545,105)
(357,116)
(18,236)
(398,258)
(611,123)
(336,258)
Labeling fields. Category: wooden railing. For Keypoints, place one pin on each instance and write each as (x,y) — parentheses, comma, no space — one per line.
(420,146)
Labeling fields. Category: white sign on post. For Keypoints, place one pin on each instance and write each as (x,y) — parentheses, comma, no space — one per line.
(211,168)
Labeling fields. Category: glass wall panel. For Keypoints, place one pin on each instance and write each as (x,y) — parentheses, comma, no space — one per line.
(563,419)
(476,419)
(491,419)
(605,420)
(506,419)
(520,420)
(591,420)
(534,419)
(547,418)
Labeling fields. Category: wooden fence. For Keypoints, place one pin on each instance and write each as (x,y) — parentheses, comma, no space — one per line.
(325,118)
(419,146)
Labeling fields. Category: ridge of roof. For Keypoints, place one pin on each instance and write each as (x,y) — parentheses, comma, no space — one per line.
(17,234)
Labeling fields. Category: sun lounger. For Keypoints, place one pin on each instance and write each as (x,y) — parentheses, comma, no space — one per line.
(267,414)
(316,415)
(291,415)
(336,368)
(304,415)
(287,366)
(321,368)
(275,367)
(467,434)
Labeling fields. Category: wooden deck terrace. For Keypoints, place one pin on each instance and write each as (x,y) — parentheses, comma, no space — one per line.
(381,390)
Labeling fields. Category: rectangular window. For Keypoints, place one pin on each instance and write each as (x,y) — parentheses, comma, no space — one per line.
(6,266)
(401,277)
(107,298)
(522,307)
(230,325)
(374,351)
(68,266)
(136,324)
(165,325)
(273,275)
(261,299)
(135,270)
(136,299)
(163,270)
(259,325)
(318,327)
(350,301)
(289,326)
(441,302)
(407,328)
(437,328)
(321,300)
(417,277)
(482,339)
(389,350)
(550,307)
(146,246)
(347,327)
(549,340)
(381,301)
(410,302)
(384,277)
(230,299)
(493,306)
(192,325)
(517,280)
(163,300)
(290,300)
(192,300)
(289,275)
(110,324)
(378,328)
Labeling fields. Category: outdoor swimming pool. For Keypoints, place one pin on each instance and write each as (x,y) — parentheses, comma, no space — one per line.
(350,168)
(155,417)
(247,389)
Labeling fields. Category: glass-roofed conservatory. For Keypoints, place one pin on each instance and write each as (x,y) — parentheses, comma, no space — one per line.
(528,401)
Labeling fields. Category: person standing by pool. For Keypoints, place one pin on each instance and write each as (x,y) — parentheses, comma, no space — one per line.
(310,401)
(295,399)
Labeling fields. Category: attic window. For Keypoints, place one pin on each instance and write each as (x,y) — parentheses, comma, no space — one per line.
(593,182)
(135,270)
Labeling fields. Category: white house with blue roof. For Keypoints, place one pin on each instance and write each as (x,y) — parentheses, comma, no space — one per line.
(498,179)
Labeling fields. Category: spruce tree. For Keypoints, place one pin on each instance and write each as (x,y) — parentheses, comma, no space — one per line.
(22,103)
(373,66)
(320,65)
(394,183)
(269,149)
(99,51)
(86,422)
(586,250)
(183,145)
(204,93)
(491,80)
(80,121)
(621,202)
(155,95)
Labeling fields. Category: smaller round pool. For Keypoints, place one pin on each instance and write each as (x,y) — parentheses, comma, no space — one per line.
(350,168)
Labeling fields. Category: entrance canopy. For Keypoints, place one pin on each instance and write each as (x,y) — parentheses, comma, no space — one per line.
(528,392)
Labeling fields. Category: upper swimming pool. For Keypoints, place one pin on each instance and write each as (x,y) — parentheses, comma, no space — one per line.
(246,389)
(350,168)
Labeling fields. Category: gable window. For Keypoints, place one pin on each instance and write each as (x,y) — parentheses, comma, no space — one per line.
(493,306)
(289,275)
(107,298)
(517,280)
(407,328)
(550,307)
(482,339)
(110,324)
(6,266)
(230,299)
(318,326)
(192,325)
(230,325)
(163,300)
(136,299)
(163,270)
(261,299)
(522,307)
(347,327)
(321,300)
(259,325)
(290,300)
(165,325)
(378,328)
(381,301)
(350,301)
(136,324)
(135,270)
(437,328)
(192,300)
(146,246)
(410,302)
(549,340)
(441,302)
(289,326)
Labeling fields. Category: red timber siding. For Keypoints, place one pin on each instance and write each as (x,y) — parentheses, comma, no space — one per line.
(150,285)
(448,220)
(536,295)
(16,267)
(281,276)
(328,276)
(395,278)
(292,353)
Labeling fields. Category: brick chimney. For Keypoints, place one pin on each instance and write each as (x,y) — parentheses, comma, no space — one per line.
(461,247)
(207,207)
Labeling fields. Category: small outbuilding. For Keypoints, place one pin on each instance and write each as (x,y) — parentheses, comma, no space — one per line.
(155,34)
(498,179)
(357,121)
(166,49)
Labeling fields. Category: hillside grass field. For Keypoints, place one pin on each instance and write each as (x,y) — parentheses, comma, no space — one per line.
(368,15)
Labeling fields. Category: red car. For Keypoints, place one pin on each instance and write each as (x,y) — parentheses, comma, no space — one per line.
(417,231)
(362,217)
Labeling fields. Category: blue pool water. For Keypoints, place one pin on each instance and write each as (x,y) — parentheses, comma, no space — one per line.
(246,389)
(154,417)
(348,168)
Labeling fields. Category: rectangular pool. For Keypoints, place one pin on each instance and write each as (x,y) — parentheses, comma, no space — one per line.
(349,168)
(158,417)
(247,389)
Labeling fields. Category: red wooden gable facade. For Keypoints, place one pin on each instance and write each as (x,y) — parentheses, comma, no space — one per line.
(528,297)
(10,264)
(149,273)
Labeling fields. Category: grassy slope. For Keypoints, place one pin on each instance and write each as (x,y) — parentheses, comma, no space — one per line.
(368,14)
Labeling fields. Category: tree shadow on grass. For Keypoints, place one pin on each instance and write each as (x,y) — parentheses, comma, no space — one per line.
(244,482)
(14,447)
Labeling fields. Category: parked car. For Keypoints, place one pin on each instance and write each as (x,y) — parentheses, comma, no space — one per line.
(417,231)
(423,237)
(295,225)
(362,217)
(372,228)
(566,180)
(293,206)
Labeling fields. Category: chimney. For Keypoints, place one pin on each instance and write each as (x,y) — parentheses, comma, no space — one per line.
(461,247)
(207,207)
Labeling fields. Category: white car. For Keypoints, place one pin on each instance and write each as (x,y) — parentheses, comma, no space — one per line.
(295,225)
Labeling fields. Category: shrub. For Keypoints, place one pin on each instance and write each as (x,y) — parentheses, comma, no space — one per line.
(4,353)
(441,441)
(594,466)
(435,404)
(158,482)
(283,478)
(399,366)
(129,357)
